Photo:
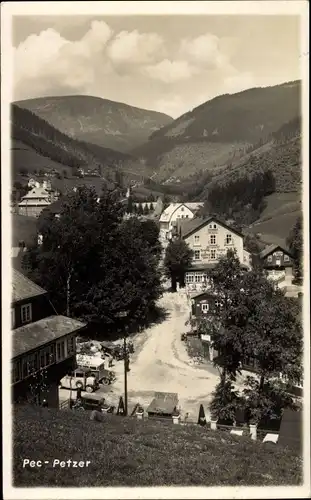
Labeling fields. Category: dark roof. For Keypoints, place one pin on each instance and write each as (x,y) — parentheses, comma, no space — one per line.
(24,228)
(23,288)
(34,335)
(163,402)
(205,292)
(189,226)
(271,248)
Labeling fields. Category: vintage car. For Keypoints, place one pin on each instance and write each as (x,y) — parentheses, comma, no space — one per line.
(97,367)
(81,378)
(91,402)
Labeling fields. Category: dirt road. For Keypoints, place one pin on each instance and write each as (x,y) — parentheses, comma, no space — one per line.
(161,363)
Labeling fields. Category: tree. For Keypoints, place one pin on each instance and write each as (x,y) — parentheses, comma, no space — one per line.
(146,209)
(139,209)
(226,281)
(95,264)
(151,207)
(129,208)
(178,256)
(68,244)
(254,320)
(295,244)
(129,279)
(225,402)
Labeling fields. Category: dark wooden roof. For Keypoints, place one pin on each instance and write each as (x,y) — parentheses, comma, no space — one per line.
(23,288)
(272,248)
(34,335)
(163,403)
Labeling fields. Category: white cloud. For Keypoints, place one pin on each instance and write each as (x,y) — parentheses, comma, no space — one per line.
(48,61)
(204,51)
(170,71)
(135,48)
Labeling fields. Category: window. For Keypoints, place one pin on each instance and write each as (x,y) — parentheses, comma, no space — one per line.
(60,351)
(205,307)
(228,239)
(189,278)
(26,313)
(71,345)
(198,277)
(196,240)
(17,371)
(212,226)
(197,255)
(213,239)
(12,318)
(213,254)
(269,258)
(182,209)
(187,216)
(286,258)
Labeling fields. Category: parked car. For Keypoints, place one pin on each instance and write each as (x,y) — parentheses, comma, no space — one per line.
(91,402)
(80,378)
(97,368)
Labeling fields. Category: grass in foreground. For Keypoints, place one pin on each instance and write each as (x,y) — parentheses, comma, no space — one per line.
(127,452)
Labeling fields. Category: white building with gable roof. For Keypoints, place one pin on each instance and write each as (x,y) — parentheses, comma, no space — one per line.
(173,213)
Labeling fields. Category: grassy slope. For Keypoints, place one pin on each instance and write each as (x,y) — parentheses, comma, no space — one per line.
(126,452)
(278,217)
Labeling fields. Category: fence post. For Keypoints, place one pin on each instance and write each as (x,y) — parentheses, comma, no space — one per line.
(176,419)
(214,425)
(253,431)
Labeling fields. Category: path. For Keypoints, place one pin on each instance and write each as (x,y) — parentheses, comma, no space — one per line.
(161,363)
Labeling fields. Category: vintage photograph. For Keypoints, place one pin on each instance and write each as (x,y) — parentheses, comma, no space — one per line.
(157,251)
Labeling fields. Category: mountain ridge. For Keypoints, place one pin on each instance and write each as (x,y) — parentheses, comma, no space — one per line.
(216,131)
(104,122)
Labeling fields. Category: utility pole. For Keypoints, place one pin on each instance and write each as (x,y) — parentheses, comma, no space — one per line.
(125,372)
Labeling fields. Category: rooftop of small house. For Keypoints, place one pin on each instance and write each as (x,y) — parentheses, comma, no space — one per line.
(36,192)
(168,212)
(33,335)
(23,288)
(272,248)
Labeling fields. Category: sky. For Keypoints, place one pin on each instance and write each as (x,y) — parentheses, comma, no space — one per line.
(164,63)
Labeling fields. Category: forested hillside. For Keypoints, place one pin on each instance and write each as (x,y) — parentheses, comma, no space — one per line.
(39,135)
(221,130)
(99,121)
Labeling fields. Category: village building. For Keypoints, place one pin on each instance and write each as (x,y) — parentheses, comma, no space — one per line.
(43,344)
(278,264)
(37,199)
(209,239)
(173,213)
